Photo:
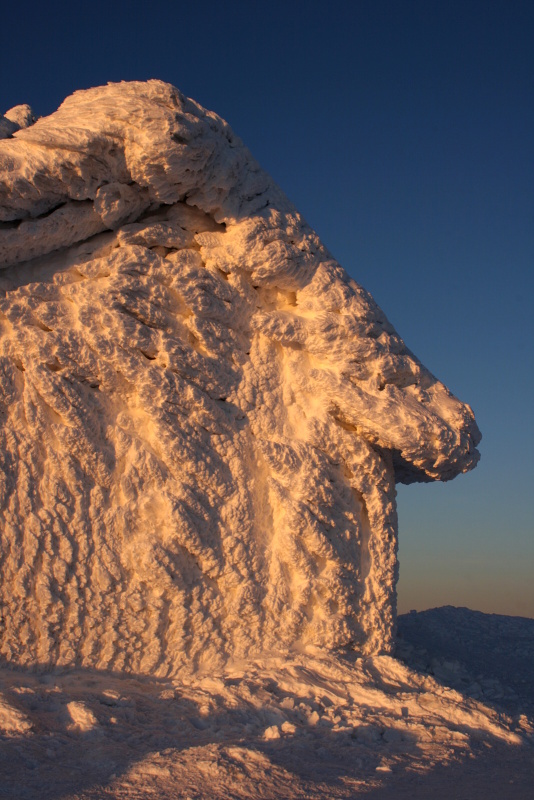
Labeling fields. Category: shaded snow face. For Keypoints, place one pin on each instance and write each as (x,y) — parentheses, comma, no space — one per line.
(203,417)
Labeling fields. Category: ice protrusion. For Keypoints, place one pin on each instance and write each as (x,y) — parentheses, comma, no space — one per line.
(21,115)
(15,119)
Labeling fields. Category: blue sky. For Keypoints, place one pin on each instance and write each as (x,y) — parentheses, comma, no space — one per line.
(403,131)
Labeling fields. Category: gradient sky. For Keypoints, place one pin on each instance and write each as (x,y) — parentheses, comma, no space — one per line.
(404,133)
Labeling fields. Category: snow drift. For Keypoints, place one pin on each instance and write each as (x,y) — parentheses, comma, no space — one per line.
(202,416)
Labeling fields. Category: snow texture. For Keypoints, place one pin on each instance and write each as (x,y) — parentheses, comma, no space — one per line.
(202,416)
(308,726)
(16,118)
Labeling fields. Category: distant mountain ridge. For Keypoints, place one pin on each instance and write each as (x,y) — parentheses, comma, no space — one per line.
(486,656)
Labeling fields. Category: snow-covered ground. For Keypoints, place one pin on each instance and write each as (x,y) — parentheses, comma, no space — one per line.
(451,717)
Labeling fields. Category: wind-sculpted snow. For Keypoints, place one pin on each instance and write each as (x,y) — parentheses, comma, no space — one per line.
(202,416)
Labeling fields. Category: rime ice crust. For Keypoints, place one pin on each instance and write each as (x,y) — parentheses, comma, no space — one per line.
(203,417)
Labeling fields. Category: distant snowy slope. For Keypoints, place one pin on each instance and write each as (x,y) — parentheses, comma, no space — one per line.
(489,657)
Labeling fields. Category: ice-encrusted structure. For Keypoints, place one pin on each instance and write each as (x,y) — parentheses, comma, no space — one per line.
(202,416)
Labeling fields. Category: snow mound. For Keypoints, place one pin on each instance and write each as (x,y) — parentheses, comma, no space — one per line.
(202,416)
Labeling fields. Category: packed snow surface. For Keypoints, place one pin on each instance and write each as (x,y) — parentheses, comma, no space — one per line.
(202,416)
(452,720)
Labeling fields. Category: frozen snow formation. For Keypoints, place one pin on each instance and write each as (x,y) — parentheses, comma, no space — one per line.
(202,416)
(16,118)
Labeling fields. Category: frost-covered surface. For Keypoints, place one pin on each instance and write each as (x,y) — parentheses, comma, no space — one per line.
(202,416)
(16,118)
(306,726)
